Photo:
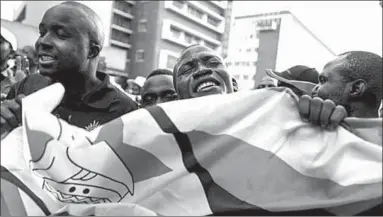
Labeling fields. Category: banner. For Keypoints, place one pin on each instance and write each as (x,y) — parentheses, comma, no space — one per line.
(246,153)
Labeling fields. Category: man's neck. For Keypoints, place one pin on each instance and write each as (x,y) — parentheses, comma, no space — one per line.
(361,110)
(80,85)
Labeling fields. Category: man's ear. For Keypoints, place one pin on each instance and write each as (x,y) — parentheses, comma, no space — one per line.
(94,50)
(357,88)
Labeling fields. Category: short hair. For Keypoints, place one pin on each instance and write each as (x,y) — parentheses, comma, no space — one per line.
(367,66)
(159,72)
(96,32)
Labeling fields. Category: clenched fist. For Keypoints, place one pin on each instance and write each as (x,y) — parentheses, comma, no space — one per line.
(321,112)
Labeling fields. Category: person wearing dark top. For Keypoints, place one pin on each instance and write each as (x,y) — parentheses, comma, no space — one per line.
(70,41)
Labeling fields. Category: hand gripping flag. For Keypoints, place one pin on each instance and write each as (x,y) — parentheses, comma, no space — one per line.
(246,153)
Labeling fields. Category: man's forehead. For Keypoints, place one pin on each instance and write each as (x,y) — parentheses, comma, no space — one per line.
(335,66)
(197,52)
(66,15)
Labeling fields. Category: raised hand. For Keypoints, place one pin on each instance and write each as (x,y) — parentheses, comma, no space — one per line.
(22,70)
(10,116)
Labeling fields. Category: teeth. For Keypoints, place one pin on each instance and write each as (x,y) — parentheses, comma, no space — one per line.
(46,58)
(204,85)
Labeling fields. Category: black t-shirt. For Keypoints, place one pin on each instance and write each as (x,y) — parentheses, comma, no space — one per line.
(101,105)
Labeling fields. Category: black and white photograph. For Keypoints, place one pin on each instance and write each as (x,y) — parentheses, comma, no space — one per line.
(191,108)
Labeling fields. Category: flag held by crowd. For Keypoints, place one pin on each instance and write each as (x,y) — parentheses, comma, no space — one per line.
(244,153)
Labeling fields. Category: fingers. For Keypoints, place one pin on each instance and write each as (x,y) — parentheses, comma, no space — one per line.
(327,109)
(315,110)
(9,118)
(304,107)
(26,66)
(19,63)
(11,112)
(338,115)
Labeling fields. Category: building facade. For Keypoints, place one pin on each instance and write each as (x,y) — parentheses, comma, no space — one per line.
(141,36)
(165,28)
(272,41)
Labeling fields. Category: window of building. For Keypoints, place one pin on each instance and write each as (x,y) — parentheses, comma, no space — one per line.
(178,4)
(210,45)
(188,38)
(228,64)
(195,12)
(176,33)
(237,63)
(236,77)
(121,21)
(120,36)
(142,25)
(246,77)
(123,6)
(248,50)
(251,36)
(254,63)
(171,62)
(197,40)
(212,21)
(140,55)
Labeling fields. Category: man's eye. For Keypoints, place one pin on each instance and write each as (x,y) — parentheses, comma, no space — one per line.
(213,62)
(185,69)
(42,33)
(61,33)
(171,97)
(322,79)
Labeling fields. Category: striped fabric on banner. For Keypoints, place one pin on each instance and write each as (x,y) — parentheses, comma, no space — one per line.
(246,153)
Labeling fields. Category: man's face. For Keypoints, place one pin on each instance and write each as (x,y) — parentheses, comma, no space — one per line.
(63,42)
(158,89)
(6,50)
(266,84)
(200,72)
(332,85)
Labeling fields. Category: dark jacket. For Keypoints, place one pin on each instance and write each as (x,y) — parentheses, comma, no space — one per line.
(101,105)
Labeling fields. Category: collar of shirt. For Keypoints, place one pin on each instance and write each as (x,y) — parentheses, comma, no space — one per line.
(100,97)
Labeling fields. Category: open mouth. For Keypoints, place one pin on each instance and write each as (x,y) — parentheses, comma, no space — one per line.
(205,85)
(70,198)
(46,59)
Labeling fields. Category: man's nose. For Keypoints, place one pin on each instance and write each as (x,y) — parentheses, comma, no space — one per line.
(45,41)
(202,71)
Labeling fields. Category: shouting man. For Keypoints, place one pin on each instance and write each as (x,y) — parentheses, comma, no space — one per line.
(199,72)
(70,41)
(158,88)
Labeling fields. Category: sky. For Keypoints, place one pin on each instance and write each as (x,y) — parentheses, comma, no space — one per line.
(342,25)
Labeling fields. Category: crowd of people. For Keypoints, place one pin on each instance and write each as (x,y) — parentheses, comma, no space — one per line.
(68,51)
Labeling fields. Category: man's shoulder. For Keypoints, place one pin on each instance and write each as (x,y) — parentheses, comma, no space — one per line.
(125,101)
(33,83)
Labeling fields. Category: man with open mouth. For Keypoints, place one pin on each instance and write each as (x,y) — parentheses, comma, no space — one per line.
(68,48)
(200,71)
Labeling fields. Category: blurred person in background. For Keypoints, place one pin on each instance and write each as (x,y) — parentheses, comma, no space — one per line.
(200,71)
(8,45)
(235,85)
(70,41)
(266,82)
(295,73)
(158,88)
(30,53)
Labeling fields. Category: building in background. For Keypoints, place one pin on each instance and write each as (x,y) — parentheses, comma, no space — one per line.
(272,40)
(164,28)
(141,36)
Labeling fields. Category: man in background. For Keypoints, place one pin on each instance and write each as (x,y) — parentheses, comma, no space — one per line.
(158,88)
(200,71)
(266,82)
